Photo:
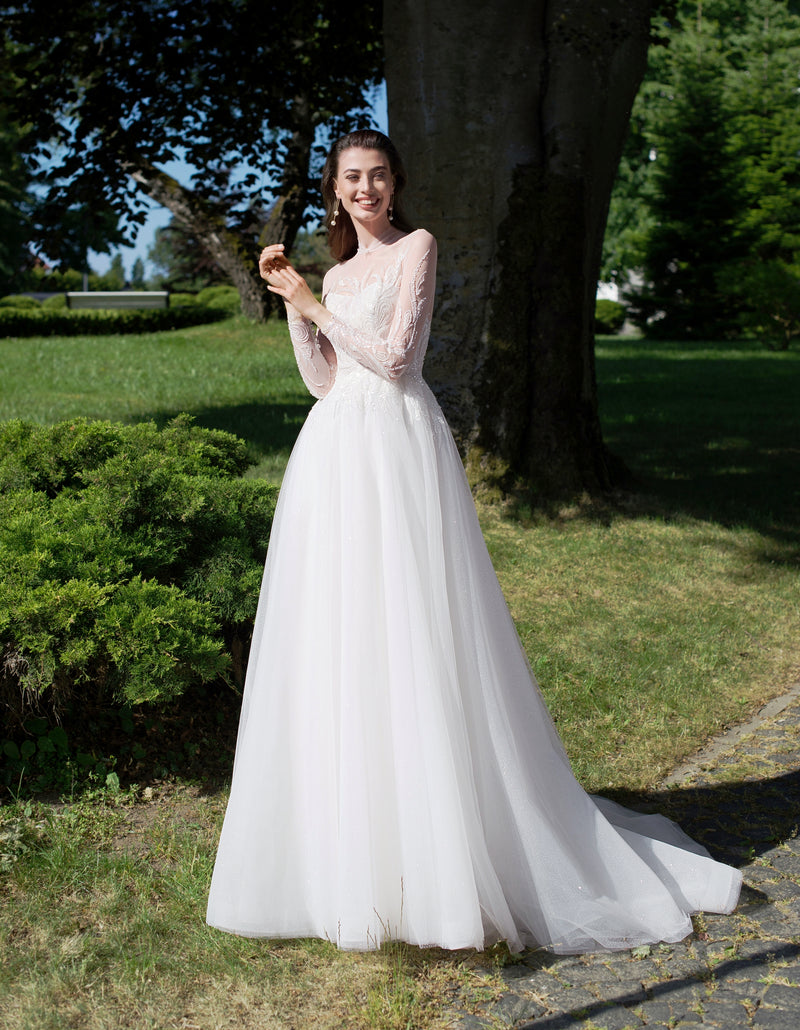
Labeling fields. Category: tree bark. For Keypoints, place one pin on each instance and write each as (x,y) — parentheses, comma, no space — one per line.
(287,213)
(511,119)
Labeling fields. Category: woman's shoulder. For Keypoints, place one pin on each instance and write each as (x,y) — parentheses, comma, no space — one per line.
(419,244)
(421,238)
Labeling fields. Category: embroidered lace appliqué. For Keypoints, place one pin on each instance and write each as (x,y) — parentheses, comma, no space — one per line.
(381,306)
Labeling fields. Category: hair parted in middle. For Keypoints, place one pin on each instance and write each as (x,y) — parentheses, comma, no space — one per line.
(342,239)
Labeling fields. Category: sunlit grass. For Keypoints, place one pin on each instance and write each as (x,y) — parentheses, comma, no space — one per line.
(231,375)
(648,635)
(115,936)
(650,624)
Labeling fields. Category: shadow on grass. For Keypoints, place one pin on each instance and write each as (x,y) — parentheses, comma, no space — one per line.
(189,739)
(710,431)
(268,428)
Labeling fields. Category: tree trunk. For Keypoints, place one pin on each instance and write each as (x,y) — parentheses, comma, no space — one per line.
(287,213)
(511,119)
(232,252)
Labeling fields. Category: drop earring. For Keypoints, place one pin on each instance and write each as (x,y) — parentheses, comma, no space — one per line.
(390,212)
(335,213)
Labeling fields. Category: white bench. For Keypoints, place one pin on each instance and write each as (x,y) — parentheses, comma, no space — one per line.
(116,299)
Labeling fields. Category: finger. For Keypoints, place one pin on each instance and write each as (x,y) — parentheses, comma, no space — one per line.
(271,253)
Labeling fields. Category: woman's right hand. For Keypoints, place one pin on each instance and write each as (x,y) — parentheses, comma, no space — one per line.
(283,279)
(271,260)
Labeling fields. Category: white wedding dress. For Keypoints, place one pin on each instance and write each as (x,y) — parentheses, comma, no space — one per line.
(397,774)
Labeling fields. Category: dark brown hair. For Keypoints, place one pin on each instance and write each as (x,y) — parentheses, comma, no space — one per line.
(342,239)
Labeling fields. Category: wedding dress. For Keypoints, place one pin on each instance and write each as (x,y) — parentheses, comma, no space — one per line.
(397,774)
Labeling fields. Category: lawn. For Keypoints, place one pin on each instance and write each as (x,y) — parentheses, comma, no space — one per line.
(231,375)
(652,621)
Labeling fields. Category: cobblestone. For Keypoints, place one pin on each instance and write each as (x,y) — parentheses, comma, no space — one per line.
(742,800)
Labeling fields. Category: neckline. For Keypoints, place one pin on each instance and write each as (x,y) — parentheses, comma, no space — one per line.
(386,240)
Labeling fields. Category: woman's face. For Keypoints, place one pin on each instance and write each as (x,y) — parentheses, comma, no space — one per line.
(364,186)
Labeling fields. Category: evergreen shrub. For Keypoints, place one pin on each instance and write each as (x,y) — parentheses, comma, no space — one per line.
(47,322)
(132,559)
(41,280)
(609,317)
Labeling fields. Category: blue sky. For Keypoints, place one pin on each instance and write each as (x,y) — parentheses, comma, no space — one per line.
(160,216)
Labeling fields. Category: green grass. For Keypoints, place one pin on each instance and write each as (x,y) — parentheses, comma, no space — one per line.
(652,622)
(711,430)
(231,375)
(102,926)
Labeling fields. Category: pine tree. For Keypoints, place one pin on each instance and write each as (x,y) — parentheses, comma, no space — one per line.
(720,112)
(116,273)
(137,274)
(694,202)
(764,97)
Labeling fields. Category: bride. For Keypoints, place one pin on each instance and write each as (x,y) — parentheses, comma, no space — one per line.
(397,774)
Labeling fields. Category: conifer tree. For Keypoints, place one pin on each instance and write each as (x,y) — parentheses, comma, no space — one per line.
(695,202)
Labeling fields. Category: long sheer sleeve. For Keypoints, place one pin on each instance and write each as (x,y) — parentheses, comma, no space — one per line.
(316,359)
(391,354)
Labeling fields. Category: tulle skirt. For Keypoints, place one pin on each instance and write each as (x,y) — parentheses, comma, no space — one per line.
(397,774)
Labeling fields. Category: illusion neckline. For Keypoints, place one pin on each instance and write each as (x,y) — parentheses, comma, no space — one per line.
(389,237)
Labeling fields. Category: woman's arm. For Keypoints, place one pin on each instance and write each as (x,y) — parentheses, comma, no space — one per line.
(391,356)
(316,358)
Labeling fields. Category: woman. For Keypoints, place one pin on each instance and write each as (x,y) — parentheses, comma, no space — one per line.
(397,773)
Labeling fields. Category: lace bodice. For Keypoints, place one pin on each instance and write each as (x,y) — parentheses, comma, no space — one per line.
(381,303)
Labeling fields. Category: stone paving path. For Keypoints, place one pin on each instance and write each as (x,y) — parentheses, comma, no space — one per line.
(742,800)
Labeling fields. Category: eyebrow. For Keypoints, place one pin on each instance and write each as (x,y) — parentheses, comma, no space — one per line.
(377,168)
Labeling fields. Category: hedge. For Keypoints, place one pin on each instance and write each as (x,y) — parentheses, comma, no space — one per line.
(132,560)
(220,296)
(20,301)
(42,321)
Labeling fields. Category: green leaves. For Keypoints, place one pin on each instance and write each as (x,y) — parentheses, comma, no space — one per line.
(215,84)
(25,322)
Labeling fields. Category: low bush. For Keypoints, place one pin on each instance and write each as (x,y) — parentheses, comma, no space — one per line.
(40,280)
(56,302)
(224,297)
(182,300)
(48,322)
(609,317)
(20,302)
(132,562)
